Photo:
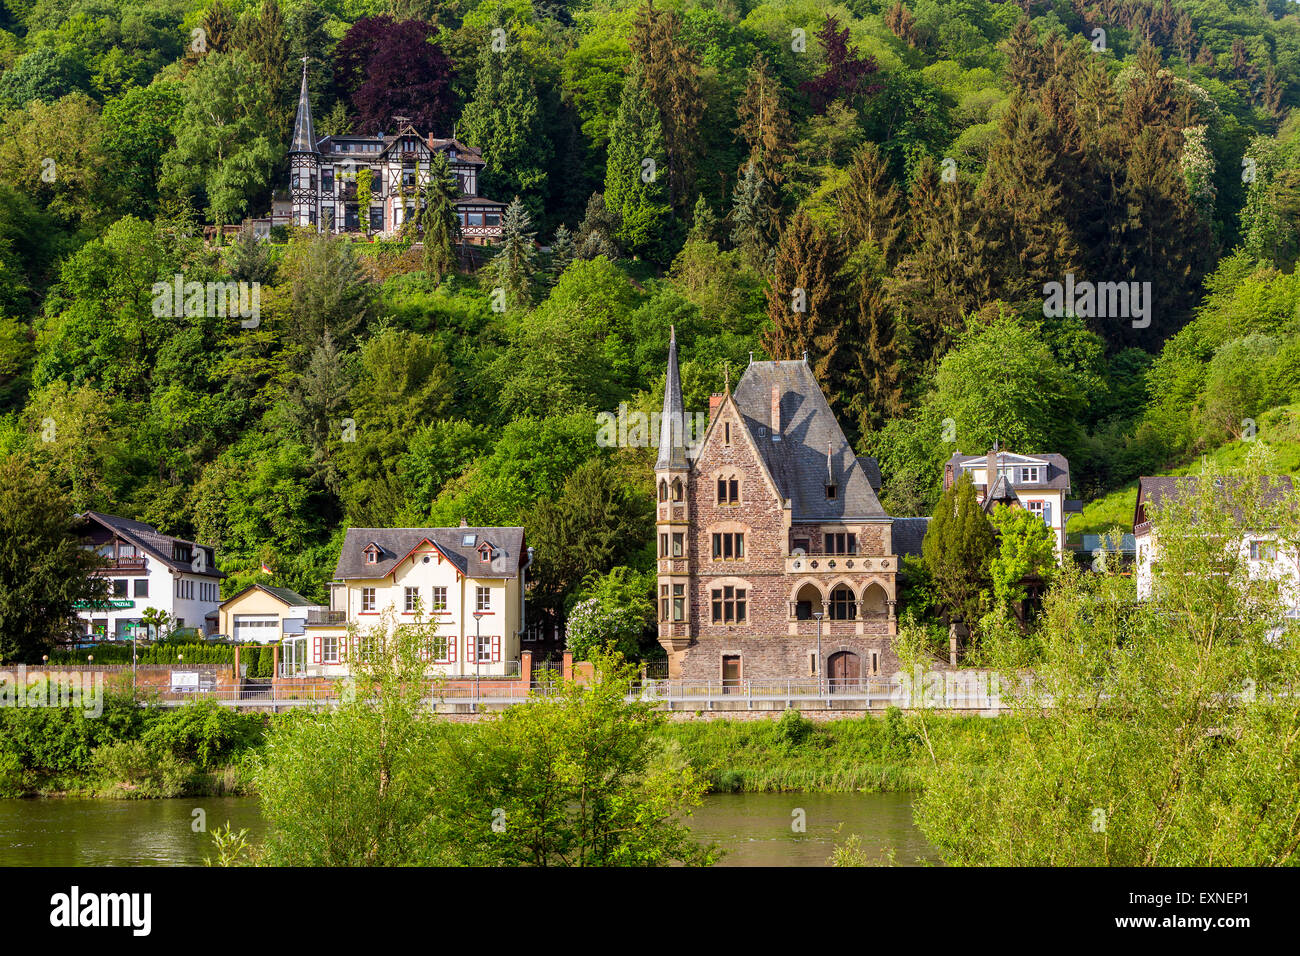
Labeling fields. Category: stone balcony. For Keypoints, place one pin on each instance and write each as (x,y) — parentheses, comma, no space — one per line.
(838,563)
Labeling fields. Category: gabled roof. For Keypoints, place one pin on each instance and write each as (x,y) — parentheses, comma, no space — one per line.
(810,435)
(159,545)
(1057,477)
(397,544)
(1161,489)
(286,596)
(468,155)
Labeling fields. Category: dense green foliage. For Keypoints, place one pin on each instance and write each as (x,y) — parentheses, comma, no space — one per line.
(917,171)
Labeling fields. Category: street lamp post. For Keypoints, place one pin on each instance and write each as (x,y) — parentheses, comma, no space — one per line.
(819,615)
(135,644)
(478,652)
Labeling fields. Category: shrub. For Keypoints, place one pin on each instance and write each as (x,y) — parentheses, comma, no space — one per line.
(793,729)
(143,772)
(204,733)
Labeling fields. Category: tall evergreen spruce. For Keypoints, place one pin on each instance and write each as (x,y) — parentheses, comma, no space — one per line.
(804,304)
(957,549)
(874,375)
(636,174)
(598,232)
(871,206)
(670,73)
(765,122)
(439,221)
(504,120)
(514,265)
(563,252)
(751,217)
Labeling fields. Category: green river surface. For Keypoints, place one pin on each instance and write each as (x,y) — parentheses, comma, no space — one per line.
(756,829)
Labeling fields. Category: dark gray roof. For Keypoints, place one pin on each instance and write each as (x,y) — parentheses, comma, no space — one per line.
(908,534)
(155,542)
(809,434)
(1162,488)
(872,468)
(394,544)
(304,137)
(672,421)
(287,595)
(1056,479)
(468,155)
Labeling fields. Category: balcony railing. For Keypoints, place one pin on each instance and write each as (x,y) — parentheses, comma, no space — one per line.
(123,564)
(318,616)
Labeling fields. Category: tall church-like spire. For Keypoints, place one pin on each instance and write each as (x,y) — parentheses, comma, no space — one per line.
(304,136)
(672,423)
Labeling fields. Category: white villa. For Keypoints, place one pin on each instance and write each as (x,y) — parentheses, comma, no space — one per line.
(469,580)
(148,569)
(1258,549)
(1037,483)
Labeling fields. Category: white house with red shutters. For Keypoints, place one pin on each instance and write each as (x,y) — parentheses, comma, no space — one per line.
(468,581)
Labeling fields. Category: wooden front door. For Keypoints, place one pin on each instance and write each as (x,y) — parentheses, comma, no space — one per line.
(843,670)
(731,674)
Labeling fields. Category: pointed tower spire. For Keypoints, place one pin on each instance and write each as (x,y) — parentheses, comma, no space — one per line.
(304,136)
(672,423)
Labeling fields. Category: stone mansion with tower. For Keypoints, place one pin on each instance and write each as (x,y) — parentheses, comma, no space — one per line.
(323,180)
(770,535)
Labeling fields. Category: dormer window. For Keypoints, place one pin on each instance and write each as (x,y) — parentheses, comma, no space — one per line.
(1029,475)
(831,492)
(372,555)
(485,552)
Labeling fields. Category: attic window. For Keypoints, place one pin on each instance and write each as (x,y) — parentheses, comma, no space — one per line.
(831,492)
(468,540)
(726,433)
(1029,475)
(372,555)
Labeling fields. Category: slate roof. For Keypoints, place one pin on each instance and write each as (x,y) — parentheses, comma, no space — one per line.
(1056,479)
(159,545)
(304,137)
(809,432)
(289,596)
(872,468)
(1161,488)
(908,533)
(396,543)
(468,155)
(672,421)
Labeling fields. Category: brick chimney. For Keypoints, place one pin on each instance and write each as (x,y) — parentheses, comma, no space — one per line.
(715,402)
(776,413)
(991,469)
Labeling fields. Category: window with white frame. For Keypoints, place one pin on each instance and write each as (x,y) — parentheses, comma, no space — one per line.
(482,599)
(1035,508)
(412,599)
(329,649)
(439,599)
(1263,551)
(1029,475)
(367,599)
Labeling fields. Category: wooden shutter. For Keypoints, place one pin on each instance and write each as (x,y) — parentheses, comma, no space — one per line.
(315,650)
(471,652)
(451,650)
(496,648)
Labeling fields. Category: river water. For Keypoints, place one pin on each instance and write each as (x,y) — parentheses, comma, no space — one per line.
(756,829)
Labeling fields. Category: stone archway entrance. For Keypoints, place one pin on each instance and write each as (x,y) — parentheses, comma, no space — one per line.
(843,671)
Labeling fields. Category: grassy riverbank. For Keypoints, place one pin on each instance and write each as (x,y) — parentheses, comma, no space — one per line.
(203,749)
(794,753)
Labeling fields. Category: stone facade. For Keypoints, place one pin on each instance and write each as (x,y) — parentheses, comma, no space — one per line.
(748,560)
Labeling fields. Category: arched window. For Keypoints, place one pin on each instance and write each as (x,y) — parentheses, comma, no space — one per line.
(874,601)
(678,491)
(663,490)
(844,606)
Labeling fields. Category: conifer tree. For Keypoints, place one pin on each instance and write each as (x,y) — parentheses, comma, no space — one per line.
(765,122)
(704,224)
(871,205)
(439,221)
(504,120)
(1026,65)
(957,549)
(563,251)
(875,376)
(1022,188)
(670,74)
(804,304)
(636,173)
(512,269)
(598,230)
(752,217)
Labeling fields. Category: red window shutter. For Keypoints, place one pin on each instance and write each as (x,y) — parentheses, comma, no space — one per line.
(451,650)
(315,650)
(496,648)
(471,652)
